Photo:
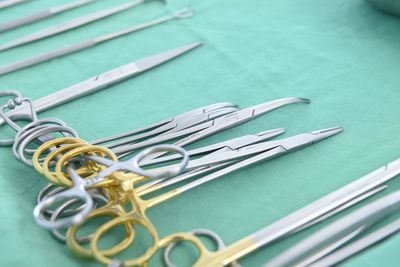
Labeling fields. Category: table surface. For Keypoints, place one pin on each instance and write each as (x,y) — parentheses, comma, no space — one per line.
(343,55)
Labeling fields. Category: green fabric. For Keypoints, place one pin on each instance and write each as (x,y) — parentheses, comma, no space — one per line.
(344,55)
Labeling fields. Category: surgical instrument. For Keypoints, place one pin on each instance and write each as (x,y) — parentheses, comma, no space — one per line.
(304,217)
(94,84)
(69,25)
(349,250)
(199,232)
(275,148)
(8,3)
(212,126)
(180,14)
(42,15)
(351,225)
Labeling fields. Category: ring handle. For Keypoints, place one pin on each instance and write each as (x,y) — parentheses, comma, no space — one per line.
(6,120)
(133,220)
(74,243)
(170,243)
(76,192)
(65,209)
(167,172)
(215,238)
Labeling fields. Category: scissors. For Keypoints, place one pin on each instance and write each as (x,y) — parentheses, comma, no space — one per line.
(42,15)
(236,143)
(78,191)
(180,14)
(137,214)
(64,211)
(69,25)
(313,213)
(8,3)
(336,242)
(94,84)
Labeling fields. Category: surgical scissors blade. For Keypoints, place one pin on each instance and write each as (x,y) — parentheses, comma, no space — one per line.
(8,3)
(99,82)
(184,13)
(42,15)
(72,24)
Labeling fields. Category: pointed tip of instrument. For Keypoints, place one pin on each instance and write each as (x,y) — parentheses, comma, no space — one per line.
(274,132)
(304,100)
(325,133)
(153,61)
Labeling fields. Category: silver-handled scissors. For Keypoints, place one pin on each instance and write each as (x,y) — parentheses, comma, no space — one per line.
(42,15)
(69,25)
(180,14)
(80,186)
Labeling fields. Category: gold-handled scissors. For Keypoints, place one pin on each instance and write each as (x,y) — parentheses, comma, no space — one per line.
(229,160)
(323,208)
(68,152)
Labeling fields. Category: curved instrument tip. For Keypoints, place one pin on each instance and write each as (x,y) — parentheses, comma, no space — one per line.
(304,100)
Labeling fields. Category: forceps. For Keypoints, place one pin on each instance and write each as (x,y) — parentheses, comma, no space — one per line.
(171,126)
(313,213)
(8,3)
(180,14)
(72,24)
(94,84)
(234,143)
(255,152)
(202,130)
(42,15)
(267,149)
(328,247)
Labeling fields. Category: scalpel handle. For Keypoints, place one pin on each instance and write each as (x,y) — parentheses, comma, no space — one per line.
(78,90)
